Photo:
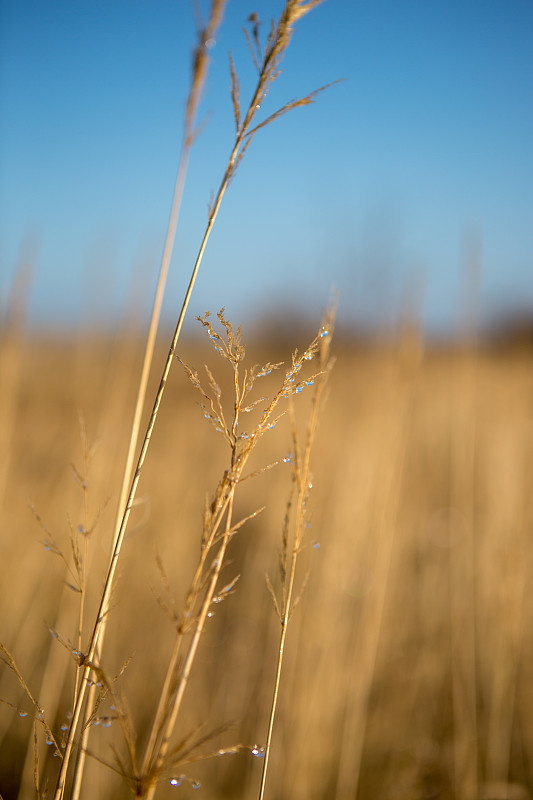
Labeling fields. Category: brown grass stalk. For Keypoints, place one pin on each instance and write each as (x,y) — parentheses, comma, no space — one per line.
(267,60)
(296,514)
(275,47)
(220,513)
(199,74)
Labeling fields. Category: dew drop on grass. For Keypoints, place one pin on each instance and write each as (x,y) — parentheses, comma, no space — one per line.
(323,333)
(177,781)
(210,614)
(195,784)
(258,752)
(309,382)
(298,389)
(46,544)
(23,713)
(288,458)
(57,754)
(49,741)
(316,545)
(64,727)
(107,721)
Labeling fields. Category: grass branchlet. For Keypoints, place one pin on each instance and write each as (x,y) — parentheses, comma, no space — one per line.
(295,522)
(219,524)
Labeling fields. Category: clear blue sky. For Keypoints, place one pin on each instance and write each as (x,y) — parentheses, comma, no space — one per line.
(373,189)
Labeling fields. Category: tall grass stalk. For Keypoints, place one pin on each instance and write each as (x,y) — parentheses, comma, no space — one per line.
(267,61)
(199,74)
(294,528)
(384,506)
(219,526)
(463,583)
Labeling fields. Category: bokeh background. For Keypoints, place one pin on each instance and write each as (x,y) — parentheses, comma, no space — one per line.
(421,154)
(408,188)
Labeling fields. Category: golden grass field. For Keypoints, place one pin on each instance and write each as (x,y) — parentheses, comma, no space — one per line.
(406,671)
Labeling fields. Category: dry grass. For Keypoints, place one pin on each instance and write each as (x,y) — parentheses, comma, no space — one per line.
(401,676)
(420,577)
(92,685)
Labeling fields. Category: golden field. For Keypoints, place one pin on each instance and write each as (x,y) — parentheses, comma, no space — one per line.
(406,667)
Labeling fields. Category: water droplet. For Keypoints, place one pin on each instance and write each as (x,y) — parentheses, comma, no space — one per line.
(258,106)
(107,722)
(64,727)
(57,754)
(298,389)
(244,436)
(316,545)
(47,545)
(218,349)
(309,356)
(217,599)
(49,741)
(309,382)
(177,781)
(195,784)
(258,752)
(288,458)
(23,713)
(81,529)
(210,614)
(323,333)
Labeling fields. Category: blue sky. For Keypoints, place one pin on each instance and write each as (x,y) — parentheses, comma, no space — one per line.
(375,189)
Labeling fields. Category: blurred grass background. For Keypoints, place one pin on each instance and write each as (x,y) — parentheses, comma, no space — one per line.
(407,665)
